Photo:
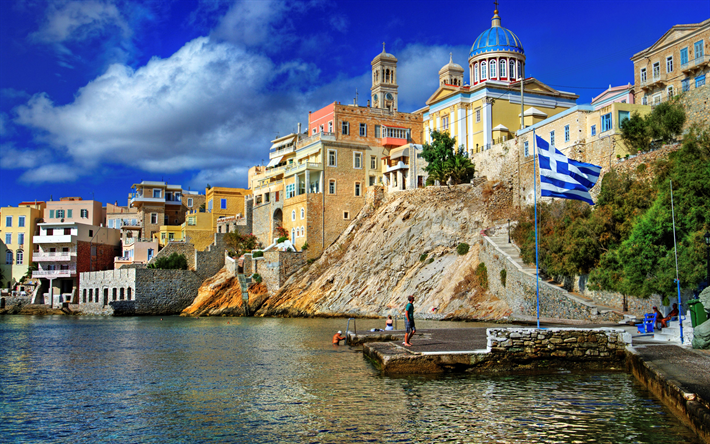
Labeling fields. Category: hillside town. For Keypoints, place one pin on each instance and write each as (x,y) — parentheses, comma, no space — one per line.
(71,251)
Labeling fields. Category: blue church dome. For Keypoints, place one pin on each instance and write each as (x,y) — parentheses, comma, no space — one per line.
(497,38)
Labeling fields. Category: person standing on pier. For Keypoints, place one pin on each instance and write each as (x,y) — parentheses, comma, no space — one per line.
(409,322)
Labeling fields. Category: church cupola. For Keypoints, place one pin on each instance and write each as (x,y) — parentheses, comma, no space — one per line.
(451,74)
(384,81)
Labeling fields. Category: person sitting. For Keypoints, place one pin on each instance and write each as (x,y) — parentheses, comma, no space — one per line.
(337,338)
(659,316)
(389,323)
(673,313)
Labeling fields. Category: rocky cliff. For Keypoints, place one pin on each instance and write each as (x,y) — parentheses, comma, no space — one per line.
(221,295)
(403,245)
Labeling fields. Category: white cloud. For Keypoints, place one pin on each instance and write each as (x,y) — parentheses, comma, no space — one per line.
(12,158)
(252,23)
(78,20)
(54,173)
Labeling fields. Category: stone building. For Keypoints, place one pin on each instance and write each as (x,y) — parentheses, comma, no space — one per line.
(315,183)
(159,203)
(677,62)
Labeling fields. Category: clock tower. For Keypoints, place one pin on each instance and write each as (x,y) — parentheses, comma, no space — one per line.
(384,81)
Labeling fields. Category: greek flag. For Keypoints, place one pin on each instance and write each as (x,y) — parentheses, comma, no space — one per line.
(563,177)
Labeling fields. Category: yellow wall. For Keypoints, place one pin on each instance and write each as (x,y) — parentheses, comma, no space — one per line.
(234,202)
(163,235)
(197,229)
(13,273)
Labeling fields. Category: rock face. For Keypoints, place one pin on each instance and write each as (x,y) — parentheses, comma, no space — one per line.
(221,295)
(404,245)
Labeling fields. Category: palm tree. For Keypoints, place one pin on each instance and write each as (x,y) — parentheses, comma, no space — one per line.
(460,169)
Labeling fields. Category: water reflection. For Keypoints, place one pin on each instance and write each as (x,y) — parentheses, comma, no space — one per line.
(280,380)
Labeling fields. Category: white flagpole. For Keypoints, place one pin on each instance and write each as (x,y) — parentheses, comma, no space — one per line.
(677,279)
(537,255)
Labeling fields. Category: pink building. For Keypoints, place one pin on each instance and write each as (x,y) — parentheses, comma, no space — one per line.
(74,209)
(617,94)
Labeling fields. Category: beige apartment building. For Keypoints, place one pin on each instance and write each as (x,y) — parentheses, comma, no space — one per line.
(17,228)
(160,203)
(677,62)
(75,209)
(315,182)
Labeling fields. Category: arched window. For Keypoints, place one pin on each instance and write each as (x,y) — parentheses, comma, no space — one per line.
(8,257)
(502,68)
(484,74)
(123,294)
(115,293)
(303,213)
(475,73)
(129,291)
(387,76)
(85,293)
(520,70)
(512,69)
(20,257)
(303,231)
(331,186)
(293,215)
(293,234)
(493,68)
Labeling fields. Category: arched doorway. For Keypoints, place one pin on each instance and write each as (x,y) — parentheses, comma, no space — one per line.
(278,221)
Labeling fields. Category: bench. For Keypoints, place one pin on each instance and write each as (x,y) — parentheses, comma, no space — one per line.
(648,324)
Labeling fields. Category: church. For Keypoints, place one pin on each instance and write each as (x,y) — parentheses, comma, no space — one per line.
(488,110)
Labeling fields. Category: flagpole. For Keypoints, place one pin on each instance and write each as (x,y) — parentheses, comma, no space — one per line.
(537,256)
(677,279)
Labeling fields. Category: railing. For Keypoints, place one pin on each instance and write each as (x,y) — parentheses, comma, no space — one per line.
(122,259)
(302,167)
(64,272)
(659,78)
(133,240)
(394,133)
(59,255)
(281,151)
(698,61)
(314,137)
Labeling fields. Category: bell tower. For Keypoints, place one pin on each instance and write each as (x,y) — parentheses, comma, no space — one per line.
(384,81)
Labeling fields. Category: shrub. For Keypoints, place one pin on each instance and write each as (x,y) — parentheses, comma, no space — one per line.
(641,168)
(503,276)
(311,260)
(431,260)
(422,258)
(281,239)
(482,275)
(257,253)
(281,231)
(462,248)
(256,277)
(173,262)
(304,247)
(241,243)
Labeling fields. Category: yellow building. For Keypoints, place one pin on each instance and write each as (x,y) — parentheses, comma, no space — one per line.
(221,201)
(488,111)
(198,229)
(168,233)
(17,228)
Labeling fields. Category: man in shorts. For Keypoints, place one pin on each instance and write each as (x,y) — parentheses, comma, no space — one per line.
(409,322)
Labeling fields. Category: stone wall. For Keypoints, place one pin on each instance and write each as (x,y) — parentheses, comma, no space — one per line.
(180,248)
(520,291)
(697,108)
(230,263)
(15,299)
(210,261)
(277,266)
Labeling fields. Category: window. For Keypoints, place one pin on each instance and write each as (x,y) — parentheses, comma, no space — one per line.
(493,68)
(520,69)
(656,70)
(69,213)
(154,218)
(566,133)
(290,190)
(644,101)
(345,128)
(189,202)
(50,232)
(223,204)
(512,69)
(20,238)
(373,162)
(330,126)
(21,221)
(276,196)
(669,64)
(60,214)
(331,187)
(20,257)
(502,68)
(303,213)
(171,236)
(346,215)
(293,233)
(643,75)
(169,195)
(192,220)
(552,138)
(484,73)
(698,49)
(363,130)
(372,180)
(527,152)
(51,214)
(8,221)
(8,238)
(377,131)
(157,193)
(84,213)
(321,128)
(623,115)
(162,236)
(8,257)
(594,130)
(445,123)
(683,57)
(303,231)
(669,90)
(209,206)
(685,85)
(314,131)
(475,72)
(700,81)
(357,189)
(478,115)
(332,158)
(357,160)
(606,122)
(67,231)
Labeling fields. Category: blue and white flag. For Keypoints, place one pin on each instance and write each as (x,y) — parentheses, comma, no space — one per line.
(563,177)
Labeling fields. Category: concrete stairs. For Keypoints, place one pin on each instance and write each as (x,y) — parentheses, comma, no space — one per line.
(500,238)
(672,332)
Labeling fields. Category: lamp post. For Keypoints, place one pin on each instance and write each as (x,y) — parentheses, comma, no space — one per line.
(508,230)
(707,243)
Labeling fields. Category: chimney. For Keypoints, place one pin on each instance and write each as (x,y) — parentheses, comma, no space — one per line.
(368,103)
(298,134)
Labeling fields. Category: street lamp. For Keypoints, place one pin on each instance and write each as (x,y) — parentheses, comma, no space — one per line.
(707,243)
(509,231)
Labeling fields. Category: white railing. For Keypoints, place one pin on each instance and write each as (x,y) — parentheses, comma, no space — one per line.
(53,255)
(133,240)
(65,272)
(698,61)
(316,136)
(394,133)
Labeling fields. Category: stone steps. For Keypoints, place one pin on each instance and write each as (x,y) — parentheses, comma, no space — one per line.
(672,332)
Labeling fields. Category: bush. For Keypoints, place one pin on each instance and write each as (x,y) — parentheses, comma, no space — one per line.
(256,277)
(431,260)
(503,277)
(241,243)
(281,239)
(304,247)
(311,260)
(257,253)
(482,275)
(422,258)
(173,262)
(462,248)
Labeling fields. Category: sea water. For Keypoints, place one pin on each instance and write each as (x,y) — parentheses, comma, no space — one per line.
(183,380)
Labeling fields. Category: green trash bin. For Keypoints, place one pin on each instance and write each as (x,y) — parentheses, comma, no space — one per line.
(697,312)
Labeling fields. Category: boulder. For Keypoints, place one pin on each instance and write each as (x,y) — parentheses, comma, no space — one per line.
(701,336)
(705,298)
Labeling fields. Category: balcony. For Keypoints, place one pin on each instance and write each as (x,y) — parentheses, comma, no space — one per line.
(54,274)
(696,63)
(54,256)
(128,223)
(295,169)
(140,198)
(314,138)
(394,137)
(282,151)
(397,166)
(133,240)
(654,81)
(54,239)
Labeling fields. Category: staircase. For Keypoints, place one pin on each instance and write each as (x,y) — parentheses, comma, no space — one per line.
(499,237)
(672,332)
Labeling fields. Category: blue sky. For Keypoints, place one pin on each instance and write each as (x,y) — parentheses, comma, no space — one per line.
(96,95)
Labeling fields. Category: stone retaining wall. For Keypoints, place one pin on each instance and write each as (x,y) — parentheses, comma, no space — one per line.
(277,266)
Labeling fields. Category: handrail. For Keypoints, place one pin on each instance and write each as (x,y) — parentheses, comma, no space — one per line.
(347,329)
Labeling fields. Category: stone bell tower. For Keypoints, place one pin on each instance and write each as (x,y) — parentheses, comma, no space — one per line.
(384,81)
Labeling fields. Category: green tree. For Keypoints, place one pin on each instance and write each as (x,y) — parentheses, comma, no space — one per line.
(445,161)
(666,121)
(173,262)
(241,243)
(460,168)
(634,133)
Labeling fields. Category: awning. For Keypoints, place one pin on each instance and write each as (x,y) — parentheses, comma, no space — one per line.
(282,143)
(275,161)
(399,152)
